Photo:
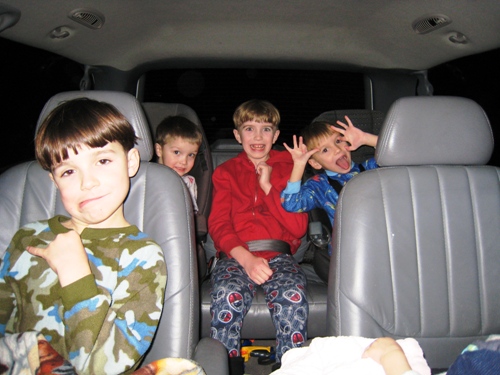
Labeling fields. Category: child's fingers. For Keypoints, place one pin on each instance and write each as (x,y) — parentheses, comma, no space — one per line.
(340,130)
(312,152)
(36,251)
(348,120)
(287,147)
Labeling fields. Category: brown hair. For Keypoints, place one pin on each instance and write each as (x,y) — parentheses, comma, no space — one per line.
(314,132)
(178,127)
(256,110)
(80,122)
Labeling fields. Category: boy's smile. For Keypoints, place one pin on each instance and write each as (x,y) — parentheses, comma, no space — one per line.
(94,183)
(178,154)
(257,139)
(332,155)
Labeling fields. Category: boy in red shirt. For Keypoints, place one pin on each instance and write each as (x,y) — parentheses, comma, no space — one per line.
(255,237)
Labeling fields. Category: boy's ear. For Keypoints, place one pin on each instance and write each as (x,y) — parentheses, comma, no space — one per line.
(158,149)
(52,178)
(134,161)
(313,163)
(276,134)
(237,135)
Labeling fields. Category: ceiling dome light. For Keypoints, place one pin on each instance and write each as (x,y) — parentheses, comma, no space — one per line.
(61,32)
(458,38)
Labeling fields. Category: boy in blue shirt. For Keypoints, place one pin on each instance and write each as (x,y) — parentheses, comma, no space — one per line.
(328,148)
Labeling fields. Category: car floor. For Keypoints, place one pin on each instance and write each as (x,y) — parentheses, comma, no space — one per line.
(252,366)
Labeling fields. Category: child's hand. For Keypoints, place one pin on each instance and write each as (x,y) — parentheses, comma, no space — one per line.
(264,171)
(387,352)
(256,268)
(65,256)
(299,153)
(355,136)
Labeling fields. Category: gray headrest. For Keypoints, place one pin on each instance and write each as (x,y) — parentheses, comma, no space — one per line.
(435,130)
(127,104)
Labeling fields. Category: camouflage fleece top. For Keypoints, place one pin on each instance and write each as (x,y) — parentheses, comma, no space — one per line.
(104,322)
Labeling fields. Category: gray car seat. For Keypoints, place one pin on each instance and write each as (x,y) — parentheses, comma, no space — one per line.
(27,194)
(202,169)
(416,249)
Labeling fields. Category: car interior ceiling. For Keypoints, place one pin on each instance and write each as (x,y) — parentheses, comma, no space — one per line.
(212,68)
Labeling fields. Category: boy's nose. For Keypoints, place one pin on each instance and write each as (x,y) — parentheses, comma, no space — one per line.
(88,181)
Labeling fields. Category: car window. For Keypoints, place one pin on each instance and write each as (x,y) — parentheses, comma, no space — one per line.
(28,78)
(214,94)
(475,77)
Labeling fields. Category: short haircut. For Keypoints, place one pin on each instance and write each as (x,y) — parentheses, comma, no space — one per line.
(256,110)
(178,127)
(78,122)
(313,133)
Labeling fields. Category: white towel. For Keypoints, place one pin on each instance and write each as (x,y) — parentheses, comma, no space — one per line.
(342,356)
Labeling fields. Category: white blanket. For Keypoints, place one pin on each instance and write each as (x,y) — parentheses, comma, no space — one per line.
(342,356)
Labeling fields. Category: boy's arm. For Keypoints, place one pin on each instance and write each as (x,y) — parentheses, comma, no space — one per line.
(66,256)
(220,226)
(302,198)
(7,297)
(295,224)
(115,330)
(300,156)
(387,352)
(356,137)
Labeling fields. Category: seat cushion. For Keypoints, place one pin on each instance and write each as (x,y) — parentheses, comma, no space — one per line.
(258,324)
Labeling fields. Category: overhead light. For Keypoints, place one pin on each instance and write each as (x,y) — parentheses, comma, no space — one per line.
(458,38)
(60,32)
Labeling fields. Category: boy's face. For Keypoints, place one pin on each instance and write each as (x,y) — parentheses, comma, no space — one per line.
(332,155)
(257,139)
(94,184)
(178,154)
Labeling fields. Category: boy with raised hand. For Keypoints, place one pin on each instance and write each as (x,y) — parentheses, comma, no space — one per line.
(255,237)
(92,284)
(328,149)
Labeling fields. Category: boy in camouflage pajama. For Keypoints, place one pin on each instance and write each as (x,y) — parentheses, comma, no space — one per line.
(91,284)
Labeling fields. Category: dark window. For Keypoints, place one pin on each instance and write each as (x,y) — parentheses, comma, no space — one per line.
(214,94)
(475,77)
(28,78)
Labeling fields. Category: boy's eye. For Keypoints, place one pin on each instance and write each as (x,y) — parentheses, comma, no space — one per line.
(104,161)
(268,129)
(324,150)
(67,173)
(176,152)
(192,155)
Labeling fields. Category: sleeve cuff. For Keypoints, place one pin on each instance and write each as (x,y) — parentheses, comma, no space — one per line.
(292,187)
(80,290)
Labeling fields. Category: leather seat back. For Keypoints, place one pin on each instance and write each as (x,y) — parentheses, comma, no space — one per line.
(416,245)
(27,194)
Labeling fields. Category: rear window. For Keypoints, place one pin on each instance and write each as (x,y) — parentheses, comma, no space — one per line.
(214,94)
